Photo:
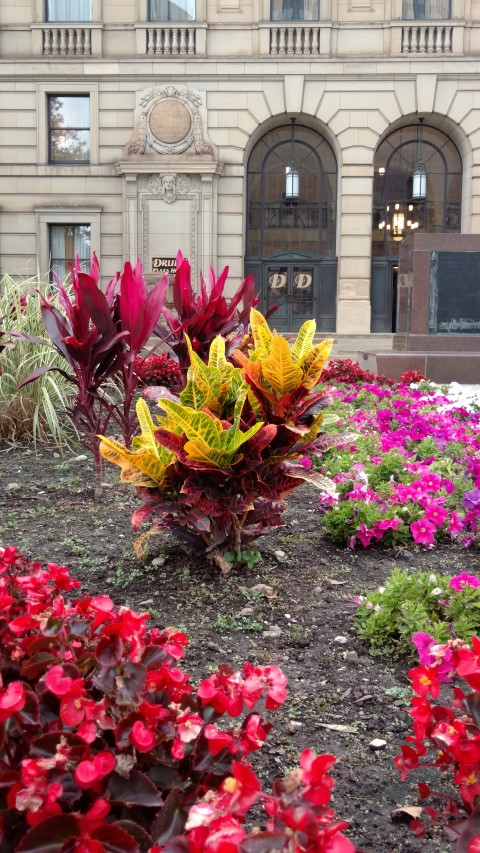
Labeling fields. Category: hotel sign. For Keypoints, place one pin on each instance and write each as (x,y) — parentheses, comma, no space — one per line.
(164,265)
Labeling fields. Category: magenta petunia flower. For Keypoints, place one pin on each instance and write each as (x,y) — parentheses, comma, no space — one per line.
(365,535)
(459,581)
(423,531)
(455,524)
(436,514)
(423,642)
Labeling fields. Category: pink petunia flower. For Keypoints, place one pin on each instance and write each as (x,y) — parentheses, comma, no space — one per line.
(423,532)
(458,582)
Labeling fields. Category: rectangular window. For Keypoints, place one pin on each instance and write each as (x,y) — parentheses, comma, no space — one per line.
(294,10)
(171,10)
(426,10)
(69,128)
(69,10)
(66,242)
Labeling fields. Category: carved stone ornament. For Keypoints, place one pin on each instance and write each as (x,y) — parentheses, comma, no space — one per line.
(168,121)
(168,186)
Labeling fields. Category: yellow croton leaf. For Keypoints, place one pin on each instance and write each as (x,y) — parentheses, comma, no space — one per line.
(279,369)
(146,464)
(221,456)
(203,383)
(261,333)
(304,341)
(207,440)
(216,355)
(314,361)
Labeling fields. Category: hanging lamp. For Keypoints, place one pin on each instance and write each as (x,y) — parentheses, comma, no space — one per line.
(292,178)
(419,177)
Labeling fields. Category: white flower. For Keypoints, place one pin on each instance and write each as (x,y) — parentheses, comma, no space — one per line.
(437,591)
(377,608)
(432,579)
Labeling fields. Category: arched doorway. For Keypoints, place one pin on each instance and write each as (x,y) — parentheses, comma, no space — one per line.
(396,213)
(291,225)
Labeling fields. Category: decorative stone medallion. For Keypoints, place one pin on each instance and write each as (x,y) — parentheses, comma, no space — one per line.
(170,121)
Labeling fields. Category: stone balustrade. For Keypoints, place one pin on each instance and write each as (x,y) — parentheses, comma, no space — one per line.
(66,41)
(294,40)
(427,38)
(171,40)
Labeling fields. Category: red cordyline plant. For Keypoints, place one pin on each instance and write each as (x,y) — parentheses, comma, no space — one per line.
(106,746)
(99,334)
(205,315)
(447,736)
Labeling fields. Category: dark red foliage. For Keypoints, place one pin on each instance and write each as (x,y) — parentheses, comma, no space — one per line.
(205,315)
(105,746)
(99,334)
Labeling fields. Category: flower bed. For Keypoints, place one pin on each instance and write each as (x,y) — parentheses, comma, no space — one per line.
(413,474)
(106,746)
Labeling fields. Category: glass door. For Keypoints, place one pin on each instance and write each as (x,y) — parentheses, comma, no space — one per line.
(291,286)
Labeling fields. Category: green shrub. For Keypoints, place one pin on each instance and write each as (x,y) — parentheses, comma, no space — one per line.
(410,602)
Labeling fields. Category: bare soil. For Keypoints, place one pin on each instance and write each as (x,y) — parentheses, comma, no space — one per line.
(304,623)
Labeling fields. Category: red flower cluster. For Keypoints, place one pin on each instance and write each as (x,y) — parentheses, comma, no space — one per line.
(350,372)
(105,745)
(159,369)
(412,376)
(448,737)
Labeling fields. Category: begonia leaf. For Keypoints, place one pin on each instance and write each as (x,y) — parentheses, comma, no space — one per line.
(141,836)
(171,820)
(29,715)
(262,842)
(109,650)
(115,839)
(137,790)
(37,665)
(50,835)
(165,777)
(132,682)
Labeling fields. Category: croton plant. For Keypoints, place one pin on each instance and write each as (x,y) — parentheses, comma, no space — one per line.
(223,456)
(106,747)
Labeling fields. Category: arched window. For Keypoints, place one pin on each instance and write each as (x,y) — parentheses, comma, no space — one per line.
(395,162)
(307,225)
(291,225)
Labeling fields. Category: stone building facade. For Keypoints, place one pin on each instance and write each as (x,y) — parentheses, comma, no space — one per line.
(280,137)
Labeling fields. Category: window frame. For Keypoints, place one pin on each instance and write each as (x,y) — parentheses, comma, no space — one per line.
(200,13)
(424,17)
(46,216)
(64,259)
(40,13)
(292,20)
(168,19)
(44,91)
(60,162)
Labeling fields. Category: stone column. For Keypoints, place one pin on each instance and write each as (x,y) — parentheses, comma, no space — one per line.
(354,256)
(130,235)
(207,243)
